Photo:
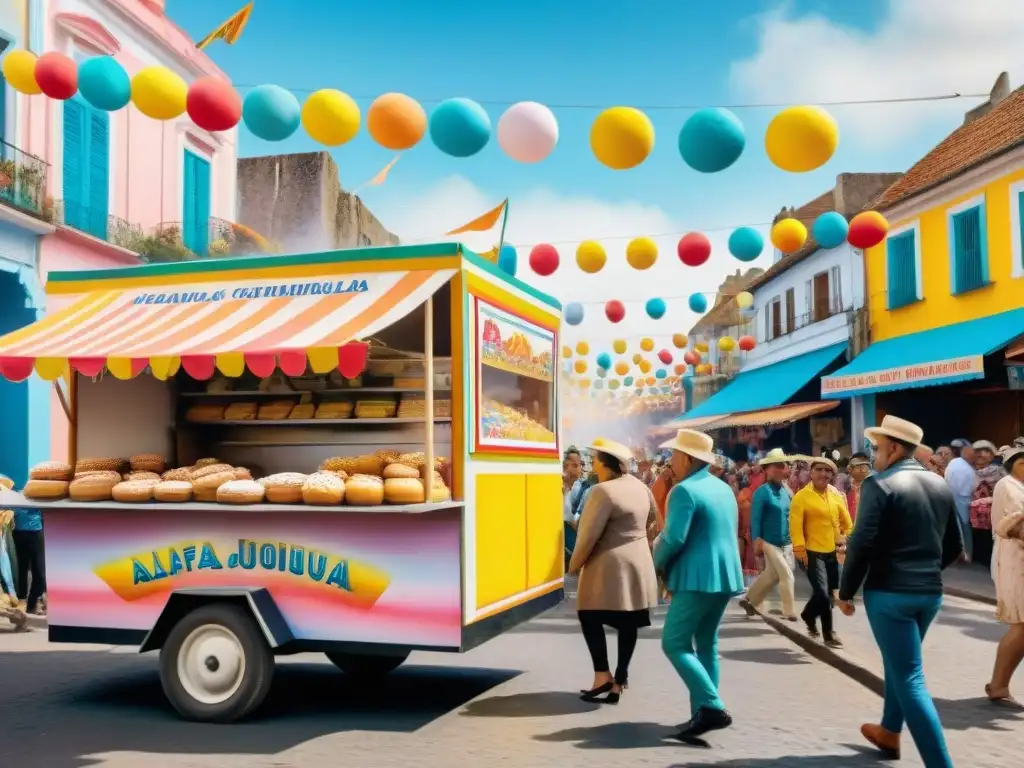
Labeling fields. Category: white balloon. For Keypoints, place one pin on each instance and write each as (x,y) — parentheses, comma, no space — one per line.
(528,132)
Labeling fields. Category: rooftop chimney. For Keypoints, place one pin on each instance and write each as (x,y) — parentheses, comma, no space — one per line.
(999,92)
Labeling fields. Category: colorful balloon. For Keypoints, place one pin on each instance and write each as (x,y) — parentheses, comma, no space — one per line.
(701,347)
(655,308)
(830,229)
(590,257)
(691,357)
(665,356)
(746,244)
(580,366)
(396,121)
(573,313)
(602,372)
(867,229)
(159,93)
(604,360)
(789,235)
(331,117)
(213,104)
(104,84)
(693,249)
(544,259)
(711,140)
(637,357)
(661,373)
(647,345)
(57,75)
(645,366)
(744,299)
(19,68)
(698,303)
(613,384)
(528,132)
(619,346)
(680,369)
(271,113)
(800,139)
(747,343)
(508,259)
(679,340)
(628,381)
(726,344)
(460,127)
(566,351)
(615,310)
(641,253)
(582,349)
(622,368)
(621,138)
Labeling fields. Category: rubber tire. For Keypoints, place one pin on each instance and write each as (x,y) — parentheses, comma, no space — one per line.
(366,665)
(259,665)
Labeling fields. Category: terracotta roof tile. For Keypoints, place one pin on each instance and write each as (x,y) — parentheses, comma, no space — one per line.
(969,145)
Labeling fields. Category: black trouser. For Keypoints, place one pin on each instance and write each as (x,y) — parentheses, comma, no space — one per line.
(593,633)
(29,547)
(823,573)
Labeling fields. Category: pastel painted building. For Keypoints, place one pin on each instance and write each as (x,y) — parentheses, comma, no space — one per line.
(945,290)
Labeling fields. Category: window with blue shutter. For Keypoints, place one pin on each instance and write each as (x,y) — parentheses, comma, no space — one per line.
(99,173)
(3,112)
(196,203)
(86,167)
(969,250)
(901,269)
(1020,225)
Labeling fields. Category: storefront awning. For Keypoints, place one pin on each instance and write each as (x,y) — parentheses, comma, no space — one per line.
(763,388)
(938,356)
(785,414)
(253,323)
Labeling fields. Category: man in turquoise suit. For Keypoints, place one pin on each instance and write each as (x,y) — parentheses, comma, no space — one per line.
(698,558)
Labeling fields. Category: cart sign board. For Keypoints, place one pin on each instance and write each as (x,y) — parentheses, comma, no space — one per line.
(377,578)
(905,375)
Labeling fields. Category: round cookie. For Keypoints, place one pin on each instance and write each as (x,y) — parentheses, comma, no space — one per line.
(323,489)
(50,490)
(51,470)
(173,491)
(364,491)
(132,492)
(240,492)
(284,487)
(147,462)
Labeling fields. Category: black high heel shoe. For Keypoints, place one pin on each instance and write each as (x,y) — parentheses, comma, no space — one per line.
(614,696)
(593,693)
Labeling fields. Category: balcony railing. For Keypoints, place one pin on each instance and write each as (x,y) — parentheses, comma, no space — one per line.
(22,179)
(166,245)
(228,238)
(802,321)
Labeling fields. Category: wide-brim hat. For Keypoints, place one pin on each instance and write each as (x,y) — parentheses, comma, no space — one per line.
(984,445)
(823,461)
(774,456)
(693,443)
(1011,454)
(621,452)
(897,429)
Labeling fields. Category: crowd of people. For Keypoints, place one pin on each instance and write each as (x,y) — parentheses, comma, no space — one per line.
(22,564)
(701,530)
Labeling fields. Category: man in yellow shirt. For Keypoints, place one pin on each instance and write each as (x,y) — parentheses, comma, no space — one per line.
(819,522)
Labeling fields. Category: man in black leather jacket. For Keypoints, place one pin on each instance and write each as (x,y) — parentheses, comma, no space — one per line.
(907,532)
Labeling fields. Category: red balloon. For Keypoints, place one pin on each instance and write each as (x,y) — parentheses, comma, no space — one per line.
(57,75)
(694,249)
(213,104)
(747,343)
(665,356)
(867,229)
(544,259)
(615,310)
(691,357)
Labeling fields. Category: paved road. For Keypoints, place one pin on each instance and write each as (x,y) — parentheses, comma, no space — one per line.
(507,703)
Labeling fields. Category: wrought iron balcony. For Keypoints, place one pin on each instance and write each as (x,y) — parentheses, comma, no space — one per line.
(228,238)
(22,180)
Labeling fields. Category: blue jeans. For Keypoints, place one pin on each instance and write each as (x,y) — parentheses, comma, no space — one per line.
(899,622)
(690,641)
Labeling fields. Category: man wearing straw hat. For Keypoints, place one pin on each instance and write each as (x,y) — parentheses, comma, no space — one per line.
(699,561)
(907,533)
(769,530)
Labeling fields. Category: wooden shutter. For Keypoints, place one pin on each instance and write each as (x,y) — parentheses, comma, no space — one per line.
(837,289)
(99,172)
(196,204)
(74,170)
(1020,224)
(901,268)
(790,310)
(188,204)
(968,251)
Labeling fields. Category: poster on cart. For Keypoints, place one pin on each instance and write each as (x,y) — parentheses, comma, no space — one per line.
(376,578)
(515,384)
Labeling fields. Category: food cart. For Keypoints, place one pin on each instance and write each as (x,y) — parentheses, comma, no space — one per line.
(356,362)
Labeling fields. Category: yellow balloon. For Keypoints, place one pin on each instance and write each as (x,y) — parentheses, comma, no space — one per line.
(330,117)
(590,257)
(641,253)
(19,70)
(645,366)
(637,358)
(566,351)
(613,384)
(584,383)
(727,344)
(621,138)
(647,345)
(619,346)
(622,368)
(582,348)
(702,347)
(789,235)
(580,366)
(159,93)
(800,139)
(744,300)
(680,341)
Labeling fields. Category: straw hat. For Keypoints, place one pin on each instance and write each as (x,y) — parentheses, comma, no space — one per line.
(1012,453)
(984,445)
(824,461)
(612,448)
(775,456)
(693,443)
(897,429)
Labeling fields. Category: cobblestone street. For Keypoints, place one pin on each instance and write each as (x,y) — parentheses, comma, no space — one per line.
(510,702)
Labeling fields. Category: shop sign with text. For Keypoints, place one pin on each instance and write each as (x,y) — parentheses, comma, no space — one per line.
(905,375)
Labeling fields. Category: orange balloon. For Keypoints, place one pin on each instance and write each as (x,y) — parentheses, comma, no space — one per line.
(396,121)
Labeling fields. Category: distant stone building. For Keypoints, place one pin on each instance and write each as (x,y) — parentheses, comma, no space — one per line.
(296,201)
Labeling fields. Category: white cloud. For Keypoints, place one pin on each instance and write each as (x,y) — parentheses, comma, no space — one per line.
(921,47)
(543,216)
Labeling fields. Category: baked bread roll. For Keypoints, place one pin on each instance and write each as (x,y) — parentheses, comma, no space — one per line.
(284,487)
(346,464)
(403,490)
(240,492)
(323,489)
(92,488)
(397,470)
(302,411)
(130,492)
(439,492)
(275,411)
(147,462)
(368,464)
(205,488)
(364,491)
(418,459)
(207,462)
(114,477)
(212,469)
(98,465)
(241,473)
(173,491)
(51,470)
(241,412)
(142,476)
(50,490)
(386,455)
(181,473)
(334,409)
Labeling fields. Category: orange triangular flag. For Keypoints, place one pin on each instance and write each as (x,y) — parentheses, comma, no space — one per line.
(482,223)
(230,30)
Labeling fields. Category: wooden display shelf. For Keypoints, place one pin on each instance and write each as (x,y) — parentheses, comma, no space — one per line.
(315,422)
(294,393)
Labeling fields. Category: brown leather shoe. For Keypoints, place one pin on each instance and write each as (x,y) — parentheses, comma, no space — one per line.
(887,742)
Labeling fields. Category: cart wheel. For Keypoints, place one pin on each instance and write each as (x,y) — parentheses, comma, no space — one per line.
(216,666)
(365,664)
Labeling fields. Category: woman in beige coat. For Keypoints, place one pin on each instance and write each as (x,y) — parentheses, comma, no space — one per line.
(617,586)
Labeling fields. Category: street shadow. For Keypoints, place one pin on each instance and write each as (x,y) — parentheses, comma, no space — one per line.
(78,695)
(862,756)
(979,624)
(766,656)
(538,704)
(964,714)
(614,736)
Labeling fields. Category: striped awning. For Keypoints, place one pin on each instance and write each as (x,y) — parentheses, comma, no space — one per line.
(203,327)
(784,414)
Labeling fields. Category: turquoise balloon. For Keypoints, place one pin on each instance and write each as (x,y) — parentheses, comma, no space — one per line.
(104,83)
(746,243)
(628,381)
(271,112)
(655,308)
(508,260)
(661,373)
(573,313)
(698,303)
(460,127)
(604,360)
(830,229)
(711,140)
